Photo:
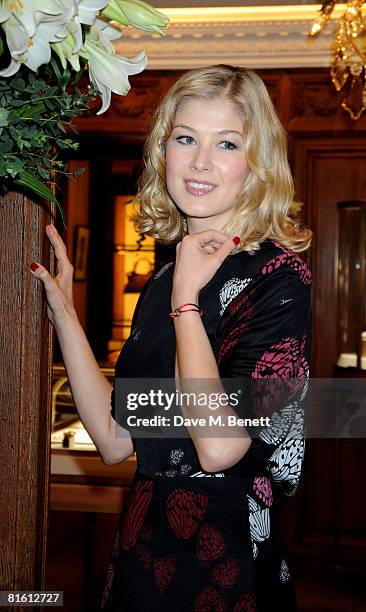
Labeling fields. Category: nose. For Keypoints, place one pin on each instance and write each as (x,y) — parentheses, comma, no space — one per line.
(201,160)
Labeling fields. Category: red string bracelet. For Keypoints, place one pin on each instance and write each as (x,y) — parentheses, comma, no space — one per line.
(178,311)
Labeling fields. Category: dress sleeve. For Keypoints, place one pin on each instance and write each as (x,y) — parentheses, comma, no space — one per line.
(264,338)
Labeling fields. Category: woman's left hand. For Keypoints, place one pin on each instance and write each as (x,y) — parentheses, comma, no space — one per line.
(198,257)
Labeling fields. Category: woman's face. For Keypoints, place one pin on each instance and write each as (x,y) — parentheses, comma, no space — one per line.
(205,162)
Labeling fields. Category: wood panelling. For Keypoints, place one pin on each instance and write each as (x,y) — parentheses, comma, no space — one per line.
(25,391)
(328,171)
(87,497)
(305,99)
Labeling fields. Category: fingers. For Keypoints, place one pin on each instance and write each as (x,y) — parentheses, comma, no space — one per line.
(208,249)
(63,262)
(41,273)
(213,244)
(59,301)
(227,247)
(62,281)
(53,234)
(212,241)
(209,235)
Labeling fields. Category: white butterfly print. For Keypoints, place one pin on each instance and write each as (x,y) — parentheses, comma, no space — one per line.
(230,290)
(259,521)
(287,460)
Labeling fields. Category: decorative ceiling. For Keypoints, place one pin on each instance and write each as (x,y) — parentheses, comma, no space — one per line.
(267,34)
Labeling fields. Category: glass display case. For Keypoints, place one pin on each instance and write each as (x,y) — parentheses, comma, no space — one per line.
(352,285)
(76,466)
(67,429)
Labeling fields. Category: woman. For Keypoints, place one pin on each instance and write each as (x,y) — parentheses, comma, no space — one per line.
(198,531)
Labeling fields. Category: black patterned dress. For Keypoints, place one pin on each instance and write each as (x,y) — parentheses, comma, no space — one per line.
(190,540)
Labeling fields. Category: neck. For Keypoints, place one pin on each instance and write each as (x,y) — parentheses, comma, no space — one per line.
(197,224)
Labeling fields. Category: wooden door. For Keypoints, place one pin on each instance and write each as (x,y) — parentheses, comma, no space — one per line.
(329,522)
(328,171)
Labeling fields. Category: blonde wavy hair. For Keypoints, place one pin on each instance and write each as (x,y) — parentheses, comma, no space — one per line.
(263,207)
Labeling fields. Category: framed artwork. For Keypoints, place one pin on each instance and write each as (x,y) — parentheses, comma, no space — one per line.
(82,233)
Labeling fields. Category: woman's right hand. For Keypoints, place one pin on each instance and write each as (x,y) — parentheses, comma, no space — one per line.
(59,293)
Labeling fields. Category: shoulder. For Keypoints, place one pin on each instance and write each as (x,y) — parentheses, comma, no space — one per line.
(286,259)
(272,260)
(266,276)
(272,276)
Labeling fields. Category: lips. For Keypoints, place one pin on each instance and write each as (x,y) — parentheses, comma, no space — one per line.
(199,188)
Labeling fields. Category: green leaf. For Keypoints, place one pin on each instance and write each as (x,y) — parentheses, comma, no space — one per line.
(78,170)
(6,145)
(56,69)
(16,102)
(27,180)
(4,114)
(78,76)
(18,84)
(13,166)
(30,109)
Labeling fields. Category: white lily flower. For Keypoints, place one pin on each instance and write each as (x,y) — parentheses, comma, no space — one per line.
(108,71)
(17,40)
(30,14)
(111,32)
(4,11)
(88,10)
(77,34)
(11,69)
(65,51)
(86,13)
(39,50)
(68,48)
(30,27)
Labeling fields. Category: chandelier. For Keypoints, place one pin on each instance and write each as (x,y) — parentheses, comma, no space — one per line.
(348,67)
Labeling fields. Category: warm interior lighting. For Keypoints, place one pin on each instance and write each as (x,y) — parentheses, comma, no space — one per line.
(128,255)
(349,52)
(222,14)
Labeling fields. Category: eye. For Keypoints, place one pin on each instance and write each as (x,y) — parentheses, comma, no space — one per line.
(185,139)
(228,145)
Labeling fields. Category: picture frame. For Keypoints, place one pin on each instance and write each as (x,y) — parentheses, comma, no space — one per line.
(81,252)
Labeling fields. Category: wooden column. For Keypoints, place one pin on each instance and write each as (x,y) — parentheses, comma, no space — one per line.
(25,394)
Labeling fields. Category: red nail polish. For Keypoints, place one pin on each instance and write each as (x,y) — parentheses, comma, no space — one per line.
(236,240)
(34,267)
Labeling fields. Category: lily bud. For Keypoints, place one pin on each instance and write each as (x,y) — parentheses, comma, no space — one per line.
(136,13)
(115,12)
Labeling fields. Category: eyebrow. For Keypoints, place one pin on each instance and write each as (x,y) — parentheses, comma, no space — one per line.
(223,132)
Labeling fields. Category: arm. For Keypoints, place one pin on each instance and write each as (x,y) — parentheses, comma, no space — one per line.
(90,389)
(262,336)
(198,258)
(195,359)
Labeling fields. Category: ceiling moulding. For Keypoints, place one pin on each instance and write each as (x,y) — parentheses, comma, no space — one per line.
(252,36)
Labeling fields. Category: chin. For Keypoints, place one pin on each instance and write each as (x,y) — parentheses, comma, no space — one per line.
(190,214)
